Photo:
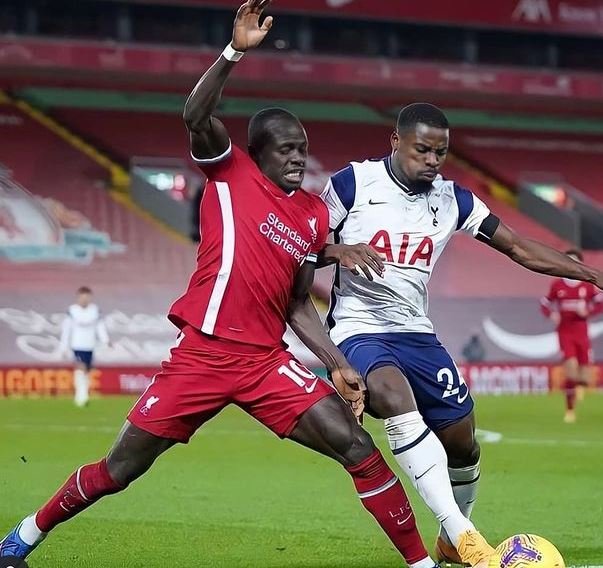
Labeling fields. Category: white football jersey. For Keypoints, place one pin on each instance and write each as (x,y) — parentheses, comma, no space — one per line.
(82,327)
(368,204)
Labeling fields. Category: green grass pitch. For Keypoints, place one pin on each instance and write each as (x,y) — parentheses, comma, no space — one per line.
(236,496)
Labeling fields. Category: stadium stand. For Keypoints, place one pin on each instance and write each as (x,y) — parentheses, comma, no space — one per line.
(54,171)
(514,155)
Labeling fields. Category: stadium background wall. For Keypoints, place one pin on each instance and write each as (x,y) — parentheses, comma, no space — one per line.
(484,379)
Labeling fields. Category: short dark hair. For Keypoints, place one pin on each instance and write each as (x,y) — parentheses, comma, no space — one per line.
(420,113)
(575,252)
(257,131)
(84,290)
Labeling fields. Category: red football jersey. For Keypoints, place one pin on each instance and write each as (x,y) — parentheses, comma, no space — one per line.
(254,238)
(575,301)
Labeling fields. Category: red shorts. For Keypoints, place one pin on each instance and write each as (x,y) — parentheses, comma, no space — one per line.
(204,374)
(575,345)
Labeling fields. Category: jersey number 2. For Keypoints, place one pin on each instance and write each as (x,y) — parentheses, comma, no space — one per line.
(447,376)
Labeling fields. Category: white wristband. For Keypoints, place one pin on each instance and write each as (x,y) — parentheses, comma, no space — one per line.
(232,54)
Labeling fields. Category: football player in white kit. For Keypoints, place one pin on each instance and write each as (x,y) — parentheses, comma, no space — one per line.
(82,328)
(406,212)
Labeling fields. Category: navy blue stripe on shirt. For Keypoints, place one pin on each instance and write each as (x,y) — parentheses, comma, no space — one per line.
(464,200)
(333,301)
(344,184)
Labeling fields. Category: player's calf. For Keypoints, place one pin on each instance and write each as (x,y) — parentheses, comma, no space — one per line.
(423,459)
(383,497)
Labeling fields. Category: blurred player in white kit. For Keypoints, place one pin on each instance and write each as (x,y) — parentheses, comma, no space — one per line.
(83,328)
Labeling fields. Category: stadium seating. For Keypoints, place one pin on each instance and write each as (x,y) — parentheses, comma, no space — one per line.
(49,167)
(124,134)
(512,155)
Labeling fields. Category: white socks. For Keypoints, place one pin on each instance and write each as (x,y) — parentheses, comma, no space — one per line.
(425,563)
(464,486)
(29,531)
(422,457)
(464,482)
(82,387)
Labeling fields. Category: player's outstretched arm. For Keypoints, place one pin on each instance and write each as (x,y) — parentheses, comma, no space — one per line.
(358,257)
(305,322)
(209,137)
(541,258)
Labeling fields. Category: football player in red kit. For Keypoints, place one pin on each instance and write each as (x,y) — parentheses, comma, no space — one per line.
(260,236)
(569,304)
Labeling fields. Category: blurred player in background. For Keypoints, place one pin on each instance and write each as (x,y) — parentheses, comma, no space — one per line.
(256,262)
(569,304)
(82,329)
(407,212)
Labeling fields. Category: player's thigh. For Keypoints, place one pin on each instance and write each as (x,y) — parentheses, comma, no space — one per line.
(192,387)
(389,392)
(330,428)
(571,368)
(586,373)
(276,389)
(374,357)
(134,452)
(441,393)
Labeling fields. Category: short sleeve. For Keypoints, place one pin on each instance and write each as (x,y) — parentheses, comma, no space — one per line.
(220,166)
(322,231)
(472,211)
(339,195)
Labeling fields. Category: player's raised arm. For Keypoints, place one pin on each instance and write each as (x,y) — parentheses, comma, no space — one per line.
(209,138)
(538,257)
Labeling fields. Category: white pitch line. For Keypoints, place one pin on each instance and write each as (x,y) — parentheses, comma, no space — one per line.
(488,436)
(550,442)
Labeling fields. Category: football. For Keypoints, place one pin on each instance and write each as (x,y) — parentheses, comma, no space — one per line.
(527,551)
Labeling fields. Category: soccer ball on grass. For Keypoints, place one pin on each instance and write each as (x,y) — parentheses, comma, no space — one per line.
(527,551)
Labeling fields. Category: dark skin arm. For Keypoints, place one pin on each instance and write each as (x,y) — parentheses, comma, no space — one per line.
(208,135)
(359,257)
(541,258)
(530,254)
(305,322)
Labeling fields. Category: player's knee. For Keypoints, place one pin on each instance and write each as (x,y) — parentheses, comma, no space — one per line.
(390,393)
(463,452)
(358,446)
(124,469)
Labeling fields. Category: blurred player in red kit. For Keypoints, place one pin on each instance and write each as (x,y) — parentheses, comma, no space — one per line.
(260,237)
(569,304)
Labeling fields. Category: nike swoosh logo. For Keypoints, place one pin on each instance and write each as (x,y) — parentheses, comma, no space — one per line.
(371,202)
(404,520)
(417,477)
(311,388)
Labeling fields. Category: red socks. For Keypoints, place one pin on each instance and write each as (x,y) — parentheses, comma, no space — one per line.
(86,486)
(383,497)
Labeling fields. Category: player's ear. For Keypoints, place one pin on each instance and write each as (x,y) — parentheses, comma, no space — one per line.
(395,140)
